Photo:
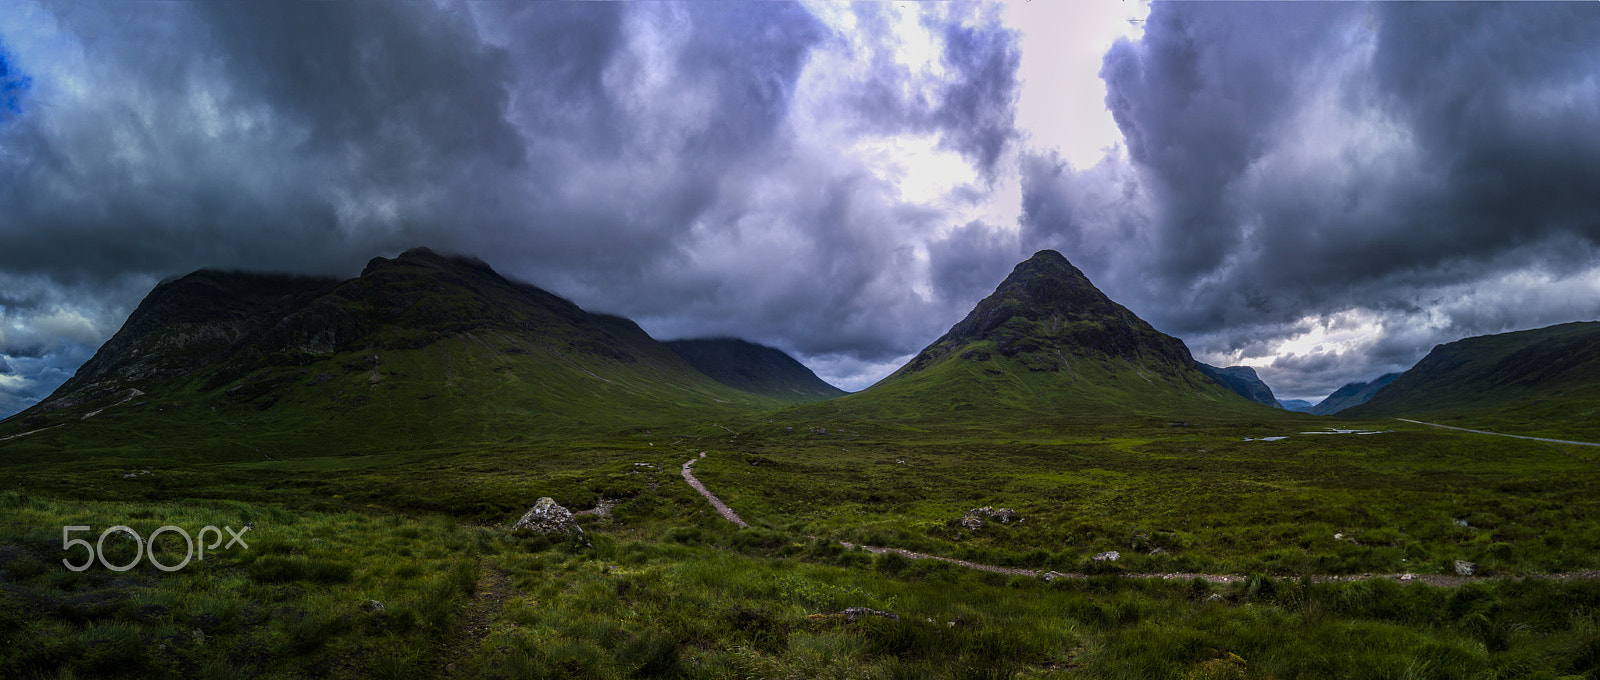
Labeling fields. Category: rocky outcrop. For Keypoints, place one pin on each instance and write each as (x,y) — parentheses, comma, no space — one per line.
(976,517)
(547,517)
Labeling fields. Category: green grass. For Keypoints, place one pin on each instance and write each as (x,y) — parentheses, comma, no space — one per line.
(665,588)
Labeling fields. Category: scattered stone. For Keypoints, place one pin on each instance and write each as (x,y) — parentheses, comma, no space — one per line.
(602,509)
(372,606)
(1338,537)
(1465,568)
(1214,597)
(853,614)
(1158,551)
(1107,556)
(547,517)
(1462,523)
(1052,575)
(1408,577)
(975,518)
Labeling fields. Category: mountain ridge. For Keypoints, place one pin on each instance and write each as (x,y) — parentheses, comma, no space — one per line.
(754,368)
(419,350)
(1351,394)
(1243,381)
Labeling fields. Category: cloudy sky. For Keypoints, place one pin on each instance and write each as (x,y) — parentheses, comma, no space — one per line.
(1322,191)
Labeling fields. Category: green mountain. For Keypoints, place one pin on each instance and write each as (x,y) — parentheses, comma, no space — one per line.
(1243,381)
(420,350)
(1046,347)
(1543,382)
(754,368)
(1351,395)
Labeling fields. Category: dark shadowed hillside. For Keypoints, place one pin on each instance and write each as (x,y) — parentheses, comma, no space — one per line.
(1543,381)
(1243,381)
(417,350)
(754,368)
(1351,394)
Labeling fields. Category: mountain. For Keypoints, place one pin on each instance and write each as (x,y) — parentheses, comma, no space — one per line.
(419,350)
(1296,405)
(1527,382)
(1351,394)
(1243,381)
(1046,347)
(754,368)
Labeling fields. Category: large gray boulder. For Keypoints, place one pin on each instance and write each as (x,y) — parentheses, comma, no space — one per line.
(547,517)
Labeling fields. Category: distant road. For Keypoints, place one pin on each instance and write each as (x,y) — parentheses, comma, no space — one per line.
(1501,434)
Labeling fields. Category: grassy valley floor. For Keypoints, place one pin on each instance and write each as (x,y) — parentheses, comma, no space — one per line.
(401,565)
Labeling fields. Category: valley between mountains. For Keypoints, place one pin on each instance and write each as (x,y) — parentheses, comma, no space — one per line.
(1053,488)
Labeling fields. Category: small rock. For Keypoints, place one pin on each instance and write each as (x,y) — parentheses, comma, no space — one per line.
(372,606)
(1214,597)
(853,614)
(1407,577)
(1107,556)
(199,637)
(1052,575)
(1465,568)
(974,519)
(547,517)
(1338,537)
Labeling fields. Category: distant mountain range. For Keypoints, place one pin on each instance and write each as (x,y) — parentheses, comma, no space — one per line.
(1543,380)
(1351,394)
(1243,381)
(1296,405)
(426,350)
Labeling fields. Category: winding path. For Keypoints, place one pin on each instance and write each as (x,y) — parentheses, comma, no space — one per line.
(1440,580)
(1500,434)
(722,508)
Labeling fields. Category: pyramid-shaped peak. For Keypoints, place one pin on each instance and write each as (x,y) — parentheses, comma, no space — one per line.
(1047,308)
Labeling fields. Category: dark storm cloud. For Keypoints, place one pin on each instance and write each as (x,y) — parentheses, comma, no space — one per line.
(978,109)
(1433,164)
(971,105)
(971,260)
(645,159)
